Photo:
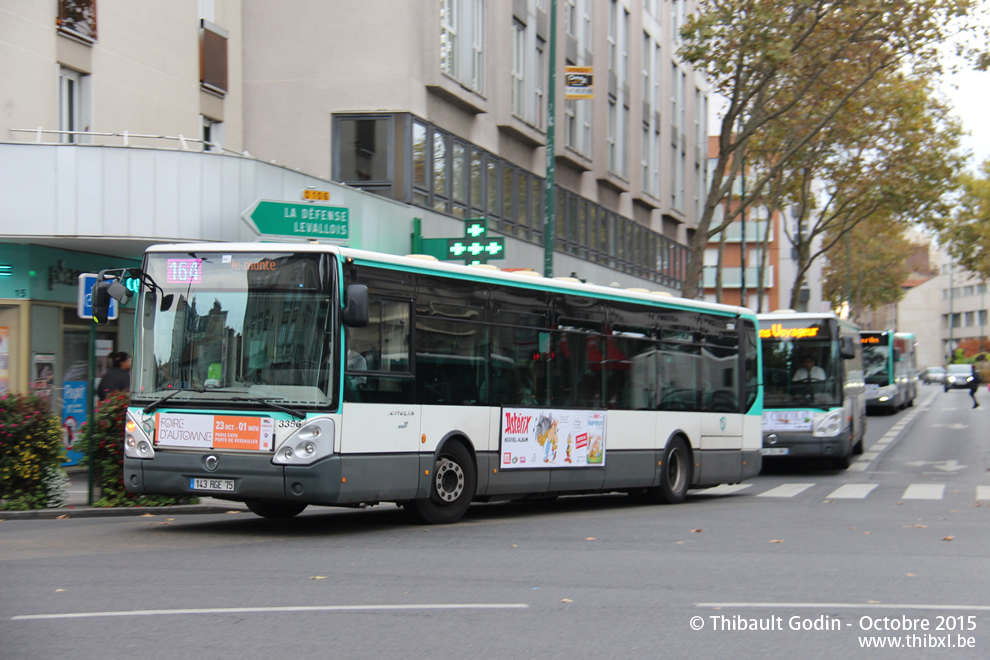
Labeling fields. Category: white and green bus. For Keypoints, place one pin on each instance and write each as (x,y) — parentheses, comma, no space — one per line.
(814,393)
(891,369)
(287,375)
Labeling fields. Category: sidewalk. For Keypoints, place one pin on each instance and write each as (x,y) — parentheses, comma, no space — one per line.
(77,504)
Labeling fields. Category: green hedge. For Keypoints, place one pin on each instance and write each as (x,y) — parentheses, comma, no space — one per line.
(31,454)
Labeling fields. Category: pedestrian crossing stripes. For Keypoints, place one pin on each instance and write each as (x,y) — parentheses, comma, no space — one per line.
(926,491)
(851,492)
(786,490)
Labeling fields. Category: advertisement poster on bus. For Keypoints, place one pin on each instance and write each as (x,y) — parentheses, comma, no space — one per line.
(534,438)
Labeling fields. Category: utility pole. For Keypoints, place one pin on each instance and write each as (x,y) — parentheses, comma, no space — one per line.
(952,293)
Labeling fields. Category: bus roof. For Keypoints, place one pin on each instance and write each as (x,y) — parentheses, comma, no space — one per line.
(790,314)
(414,263)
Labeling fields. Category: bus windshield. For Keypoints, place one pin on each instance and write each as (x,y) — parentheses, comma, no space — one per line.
(876,363)
(229,325)
(800,373)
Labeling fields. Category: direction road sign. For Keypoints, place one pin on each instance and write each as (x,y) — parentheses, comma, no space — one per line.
(84,307)
(274,218)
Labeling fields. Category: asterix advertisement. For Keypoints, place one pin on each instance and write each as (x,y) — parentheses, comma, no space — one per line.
(552,438)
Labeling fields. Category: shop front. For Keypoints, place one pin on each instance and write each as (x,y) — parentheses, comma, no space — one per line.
(44,344)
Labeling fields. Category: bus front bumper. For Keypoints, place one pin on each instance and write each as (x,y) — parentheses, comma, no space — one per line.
(803,445)
(334,480)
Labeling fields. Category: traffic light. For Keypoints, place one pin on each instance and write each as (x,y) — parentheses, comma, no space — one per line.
(101,300)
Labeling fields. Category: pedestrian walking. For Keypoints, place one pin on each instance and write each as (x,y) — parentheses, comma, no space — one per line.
(975,385)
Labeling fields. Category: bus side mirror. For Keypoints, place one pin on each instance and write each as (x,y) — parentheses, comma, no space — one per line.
(356,310)
(847,348)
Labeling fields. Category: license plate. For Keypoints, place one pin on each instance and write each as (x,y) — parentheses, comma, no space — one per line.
(774,451)
(211,484)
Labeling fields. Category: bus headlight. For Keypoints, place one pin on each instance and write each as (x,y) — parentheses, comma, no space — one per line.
(827,425)
(136,442)
(307,444)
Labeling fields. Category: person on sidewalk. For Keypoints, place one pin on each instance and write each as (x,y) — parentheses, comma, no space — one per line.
(118,376)
(975,385)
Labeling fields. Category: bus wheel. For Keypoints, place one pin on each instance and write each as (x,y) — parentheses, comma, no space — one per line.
(451,490)
(675,475)
(275,510)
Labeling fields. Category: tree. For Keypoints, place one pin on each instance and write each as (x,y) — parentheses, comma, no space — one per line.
(804,60)
(892,153)
(966,232)
(870,266)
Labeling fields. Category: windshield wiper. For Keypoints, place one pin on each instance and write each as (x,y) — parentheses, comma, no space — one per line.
(154,405)
(270,404)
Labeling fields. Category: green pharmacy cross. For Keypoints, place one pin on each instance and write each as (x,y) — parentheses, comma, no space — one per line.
(475,247)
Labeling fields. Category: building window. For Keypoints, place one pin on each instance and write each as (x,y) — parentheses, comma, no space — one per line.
(612,135)
(73,105)
(455,177)
(462,39)
(518,69)
(212,134)
(448,37)
(540,87)
(212,57)
(77,18)
(570,123)
(478,47)
(363,154)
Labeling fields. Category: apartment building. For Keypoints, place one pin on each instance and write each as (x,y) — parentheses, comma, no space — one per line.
(132,122)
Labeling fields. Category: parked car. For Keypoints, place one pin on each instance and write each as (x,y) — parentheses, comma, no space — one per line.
(959,377)
(933,375)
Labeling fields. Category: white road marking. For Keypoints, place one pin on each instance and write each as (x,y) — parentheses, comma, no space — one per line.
(786,490)
(924,492)
(724,489)
(983,493)
(851,492)
(851,606)
(265,610)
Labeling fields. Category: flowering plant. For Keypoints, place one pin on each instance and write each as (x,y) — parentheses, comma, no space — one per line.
(31,454)
(108,455)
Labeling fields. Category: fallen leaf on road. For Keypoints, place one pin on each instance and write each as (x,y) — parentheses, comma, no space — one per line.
(776,541)
(147,515)
(695,531)
(318,577)
(513,546)
(911,575)
(58,590)
(61,517)
(566,600)
(590,538)
(948,538)
(873,602)
(867,533)
(233,511)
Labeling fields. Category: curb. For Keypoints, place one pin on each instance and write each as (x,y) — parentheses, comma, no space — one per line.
(116,512)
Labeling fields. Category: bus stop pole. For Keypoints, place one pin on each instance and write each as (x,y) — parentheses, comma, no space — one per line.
(90,413)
